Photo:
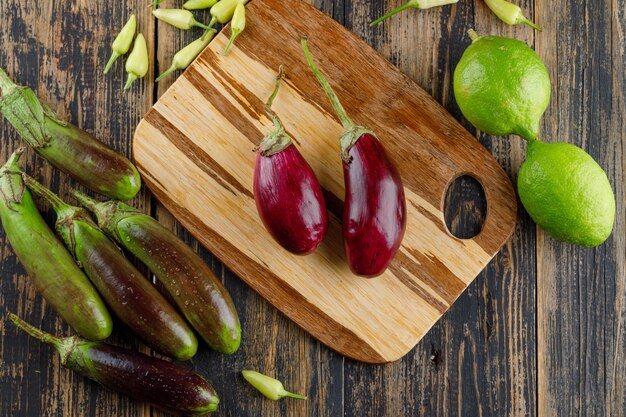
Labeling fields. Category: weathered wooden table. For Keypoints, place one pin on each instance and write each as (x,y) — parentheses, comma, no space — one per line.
(542,331)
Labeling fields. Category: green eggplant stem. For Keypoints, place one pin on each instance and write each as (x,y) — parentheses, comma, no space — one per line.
(279,77)
(15,157)
(391,13)
(334,100)
(55,202)
(38,334)
(277,139)
(85,200)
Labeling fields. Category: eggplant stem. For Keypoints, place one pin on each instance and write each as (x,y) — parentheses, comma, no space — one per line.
(277,82)
(391,13)
(35,332)
(6,83)
(278,125)
(86,201)
(334,100)
(51,198)
(277,139)
(15,156)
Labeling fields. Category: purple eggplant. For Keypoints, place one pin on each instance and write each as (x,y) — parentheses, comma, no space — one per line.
(163,384)
(374,214)
(288,196)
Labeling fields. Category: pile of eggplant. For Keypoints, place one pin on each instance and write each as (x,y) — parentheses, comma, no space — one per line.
(80,270)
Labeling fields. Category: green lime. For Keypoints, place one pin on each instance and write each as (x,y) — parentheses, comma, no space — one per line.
(502,86)
(567,193)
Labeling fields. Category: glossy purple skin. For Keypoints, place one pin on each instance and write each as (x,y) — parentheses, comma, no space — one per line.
(374,214)
(163,384)
(290,200)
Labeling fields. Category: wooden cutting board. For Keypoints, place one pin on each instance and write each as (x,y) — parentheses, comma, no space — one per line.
(194,150)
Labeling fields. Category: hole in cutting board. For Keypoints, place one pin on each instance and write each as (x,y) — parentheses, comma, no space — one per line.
(465,207)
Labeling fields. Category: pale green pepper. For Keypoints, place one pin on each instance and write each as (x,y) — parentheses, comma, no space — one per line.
(182,19)
(137,62)
(237,25)
(223,11)
(185,56)
(509,13)
(416,4)
(122,41)
(270,387)
(198,4)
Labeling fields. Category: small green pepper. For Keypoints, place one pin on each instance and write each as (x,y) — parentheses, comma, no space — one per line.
(509,13)
(416,4)
(270,387)
(122,42)
(137,62)
(237,25)
(182,19)
(223,11)
(155,3)
(198,4)
(185,56)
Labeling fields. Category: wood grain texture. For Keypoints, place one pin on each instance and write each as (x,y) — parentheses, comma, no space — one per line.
(59,49)
(581,292)
(481,357)
(193,150)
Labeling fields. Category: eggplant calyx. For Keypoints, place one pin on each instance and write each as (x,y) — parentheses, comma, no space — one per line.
(349,137)
(12,191)
(108,213)
(275,141)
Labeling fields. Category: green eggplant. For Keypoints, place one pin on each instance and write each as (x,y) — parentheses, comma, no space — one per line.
(163,384)
(197,292)
(132,298)
(70,149)
(49,265)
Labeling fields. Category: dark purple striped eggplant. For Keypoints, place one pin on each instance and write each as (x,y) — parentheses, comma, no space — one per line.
(128,293)
(200,296)
(374,214)
(163,384)
(67,147)
(288,196)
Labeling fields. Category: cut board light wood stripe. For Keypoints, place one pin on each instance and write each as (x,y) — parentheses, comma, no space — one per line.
(194,150)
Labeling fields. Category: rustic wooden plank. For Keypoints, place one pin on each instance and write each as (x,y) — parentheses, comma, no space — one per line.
(224,98)
(492,321)
(581,309)
(266,332)
(59,49)
(479,359)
